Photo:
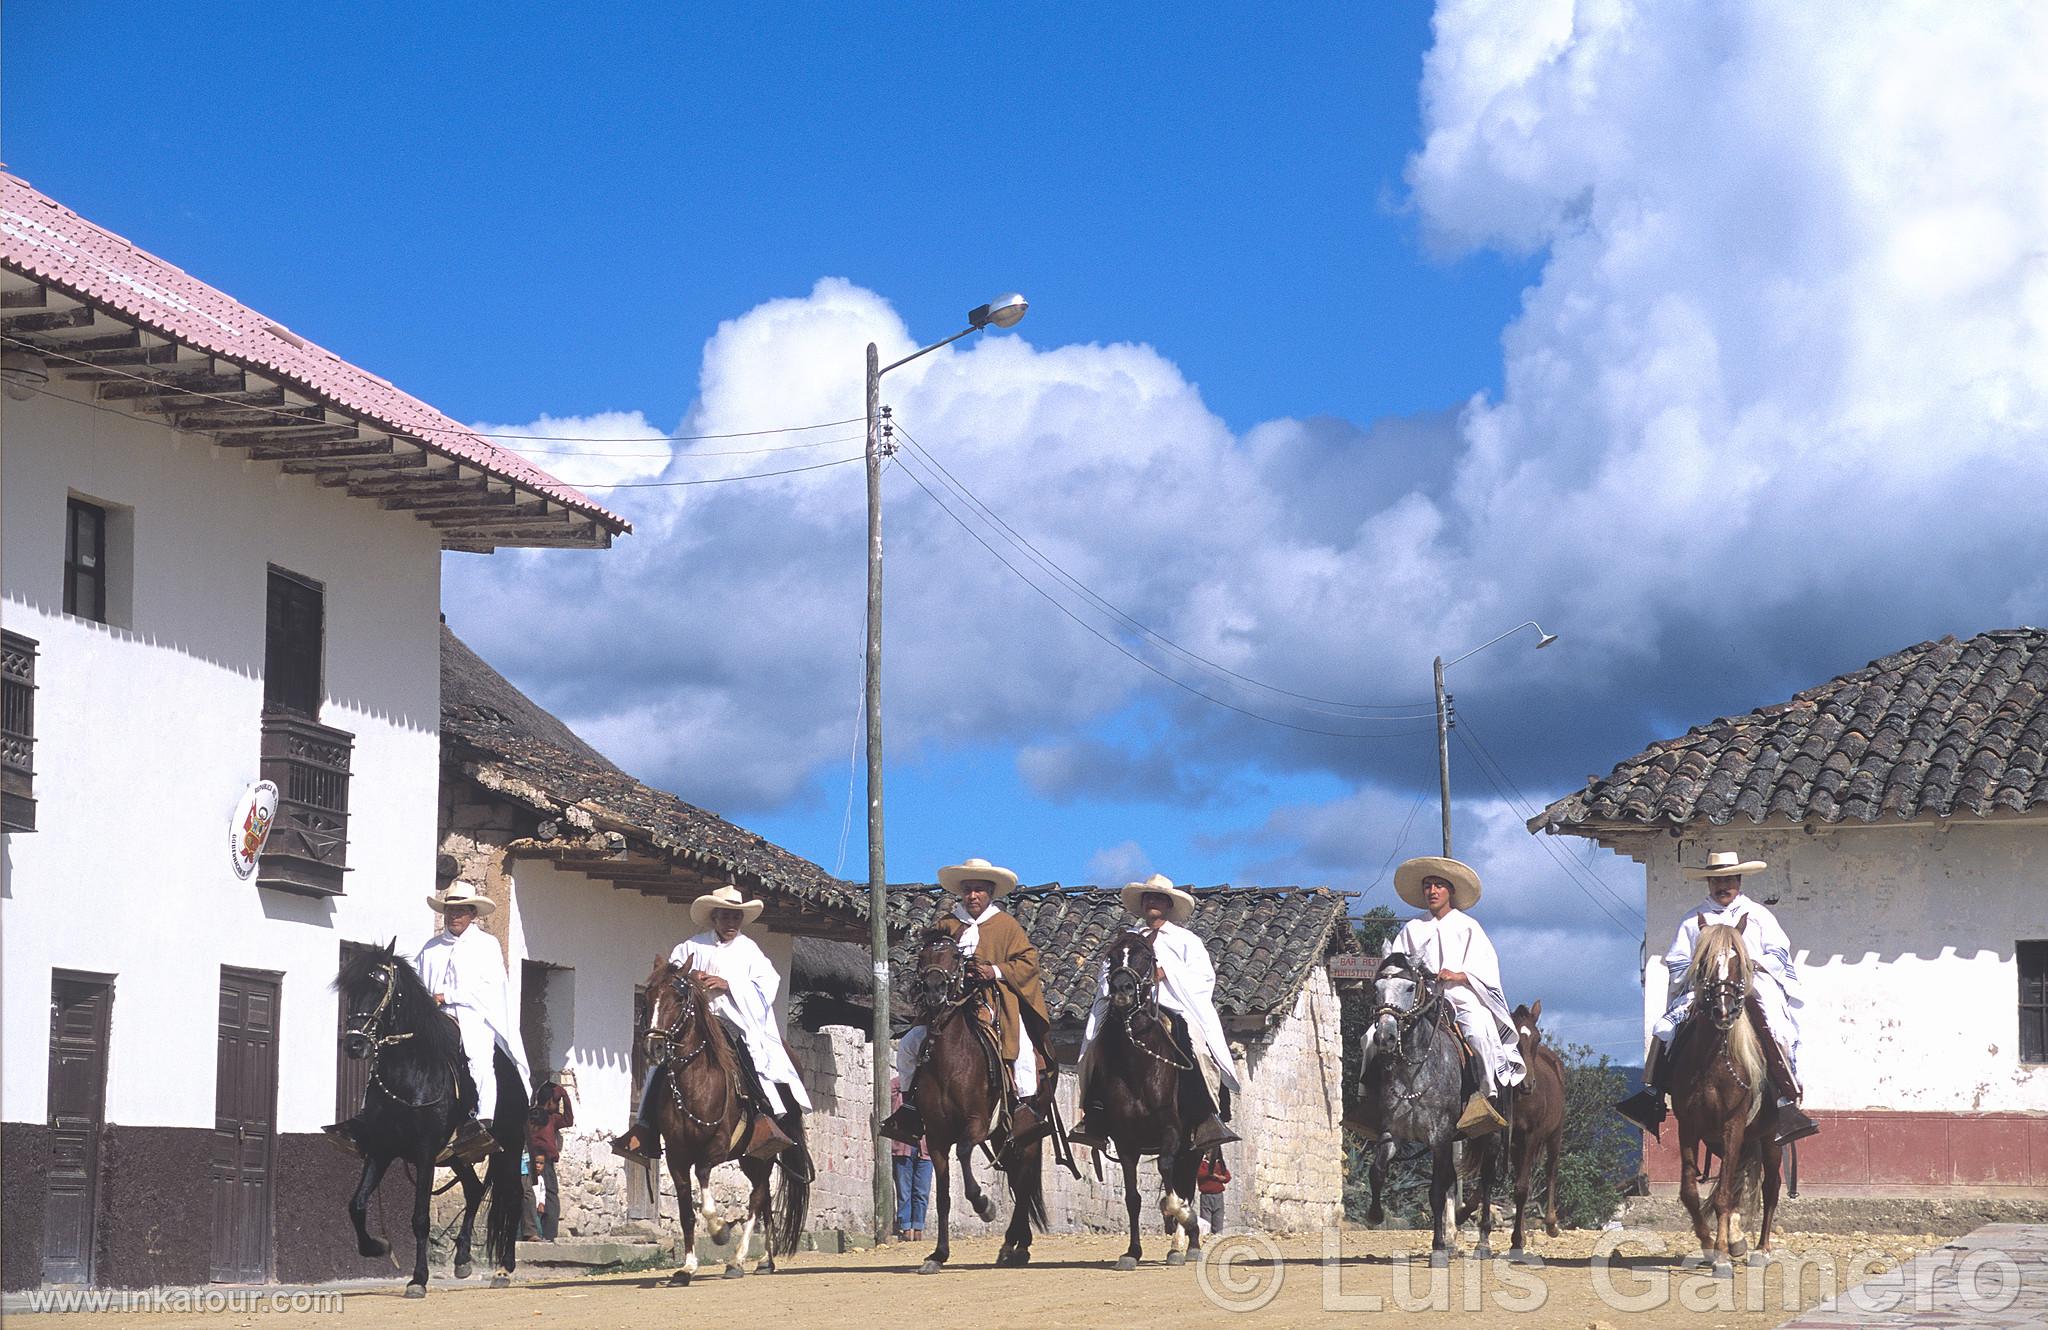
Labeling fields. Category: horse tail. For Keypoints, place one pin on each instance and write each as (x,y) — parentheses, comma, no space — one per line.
(793,1205)
(504,1197)
(1027,1185)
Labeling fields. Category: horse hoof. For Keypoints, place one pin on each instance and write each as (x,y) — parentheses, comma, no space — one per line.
(985,1208)
(1739,1247)
(734,1272)
(1176,1258)
(1517,1256)
(502,1279)
(765,1268)
(1375,1215)
(1551,1228)
(1439,1259)
(415,1290)
(1759,1259)
(1723,1270)
(463,1269)
(1482,1252)
(374,1247)
(930,1268)
(680,1279)
(1127,1263)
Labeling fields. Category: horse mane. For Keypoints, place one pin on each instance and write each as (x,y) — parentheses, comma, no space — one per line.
(946,929)
(413,1007)
(1720,946)
(1117,940)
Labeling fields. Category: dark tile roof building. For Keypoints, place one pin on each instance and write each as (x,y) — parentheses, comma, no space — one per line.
(1939,729)
(1264,942)
(591,817)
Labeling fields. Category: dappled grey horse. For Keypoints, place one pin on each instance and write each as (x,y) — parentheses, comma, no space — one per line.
(1412,1081)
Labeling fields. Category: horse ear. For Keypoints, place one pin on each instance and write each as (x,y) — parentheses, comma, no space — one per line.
(1742,923)
(1701,918)
(1536,1010)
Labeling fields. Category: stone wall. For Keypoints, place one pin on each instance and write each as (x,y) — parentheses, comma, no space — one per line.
(1292,1178)
(838,1073)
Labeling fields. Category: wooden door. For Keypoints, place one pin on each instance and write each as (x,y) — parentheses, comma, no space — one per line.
(244,1125)
(81,1008)
(643,1180)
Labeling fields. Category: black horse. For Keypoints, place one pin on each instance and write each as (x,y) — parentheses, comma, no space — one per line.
(419,1082)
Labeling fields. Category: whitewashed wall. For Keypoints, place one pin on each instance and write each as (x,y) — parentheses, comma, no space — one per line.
(1904,937)
(147,733)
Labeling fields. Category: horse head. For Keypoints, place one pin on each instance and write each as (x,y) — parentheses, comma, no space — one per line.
(1720,973)
(675,996)
(1406,990)
(373,986)
(940,980)
(1133,971)
(1527,1036)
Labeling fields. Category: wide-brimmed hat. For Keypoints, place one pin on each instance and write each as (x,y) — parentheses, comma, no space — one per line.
(462,893)
(955,877)
(727,897)
(1727,863)
(1135,893)
(1464,881)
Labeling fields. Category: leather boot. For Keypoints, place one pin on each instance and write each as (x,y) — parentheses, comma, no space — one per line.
(1793,1124)
(1028,1123)
(471,1141)
(903,1125)
(767,1140)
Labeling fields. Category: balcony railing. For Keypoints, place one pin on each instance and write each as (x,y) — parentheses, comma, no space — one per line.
(17,732)
(308,847)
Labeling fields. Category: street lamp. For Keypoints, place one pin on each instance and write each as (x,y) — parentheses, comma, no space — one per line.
(1443,714)
(1002,312)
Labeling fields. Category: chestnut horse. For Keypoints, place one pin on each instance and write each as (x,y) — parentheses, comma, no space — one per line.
(958,1092)
(705,1119)
(1535,1128)
(1720,1093)
(1135,1073)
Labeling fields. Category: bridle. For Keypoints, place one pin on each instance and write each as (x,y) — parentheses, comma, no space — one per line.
(1143,990)
(661,1044)
(366,1028)
(1726,1000)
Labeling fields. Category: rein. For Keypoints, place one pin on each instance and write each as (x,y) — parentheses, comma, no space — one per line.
(671,1036)
(1408,1052)
(1147,1004)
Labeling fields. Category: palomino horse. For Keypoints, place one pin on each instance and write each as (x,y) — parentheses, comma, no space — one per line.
(418,1082)
(1535,1127)
(958,1092)
(704,1119)
(1720,1092)
(1412,1081)
(1136,1070)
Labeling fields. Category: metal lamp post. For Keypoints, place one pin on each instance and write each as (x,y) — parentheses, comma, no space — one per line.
(1002,312)
(1443,715)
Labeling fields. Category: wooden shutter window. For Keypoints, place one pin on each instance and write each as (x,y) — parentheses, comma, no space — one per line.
(85,560)
(293,640)
(17,732)
(2033,968)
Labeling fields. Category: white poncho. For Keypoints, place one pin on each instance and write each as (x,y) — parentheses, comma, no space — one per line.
(750,1004)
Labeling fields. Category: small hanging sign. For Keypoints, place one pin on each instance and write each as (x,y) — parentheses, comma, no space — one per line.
(251,827)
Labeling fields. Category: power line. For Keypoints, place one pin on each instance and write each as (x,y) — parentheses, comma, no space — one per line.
(676,456)
(1023,543)
(712,480)
(1400,839)
(1526,810)
(1120,647)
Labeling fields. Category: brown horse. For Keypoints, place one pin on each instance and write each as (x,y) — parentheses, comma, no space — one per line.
(705,1119)
(958,1091)
(1536,1129)
(1719,1090)
(1135,1074)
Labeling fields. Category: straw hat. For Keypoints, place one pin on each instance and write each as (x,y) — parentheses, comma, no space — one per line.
(1464,882)
(956,877)
(462,893)
(1727,863)
(727,897)
(1182,906)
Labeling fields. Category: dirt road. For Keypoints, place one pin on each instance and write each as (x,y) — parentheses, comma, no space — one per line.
(1248,1280)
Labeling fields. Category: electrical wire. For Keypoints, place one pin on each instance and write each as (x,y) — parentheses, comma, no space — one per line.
(710,480)
(1120,647)
(1023,544)
(1400,839)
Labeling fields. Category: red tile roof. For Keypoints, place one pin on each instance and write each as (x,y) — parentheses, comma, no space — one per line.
(45,240)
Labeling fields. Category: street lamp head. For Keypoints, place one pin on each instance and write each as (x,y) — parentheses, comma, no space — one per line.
(1004,312)
(1545,640)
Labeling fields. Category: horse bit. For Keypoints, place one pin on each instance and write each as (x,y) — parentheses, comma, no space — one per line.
(367,1031)
(1405,1021)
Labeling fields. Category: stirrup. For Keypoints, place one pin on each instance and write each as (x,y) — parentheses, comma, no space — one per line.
(904,1125)
(640,1144)
(1794,1124)
(767,1140)
(1480,1117)
(1027,1125)
(1086,1135)
(342,1136)
(1211,1133)
(1645,1108)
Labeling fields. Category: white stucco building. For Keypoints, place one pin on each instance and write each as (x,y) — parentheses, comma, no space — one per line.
(1903,810)
(220,557)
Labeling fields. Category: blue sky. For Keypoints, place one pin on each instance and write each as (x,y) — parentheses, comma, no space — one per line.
(1694,332)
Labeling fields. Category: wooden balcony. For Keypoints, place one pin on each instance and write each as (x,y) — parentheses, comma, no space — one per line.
(17,732)
(308,847)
